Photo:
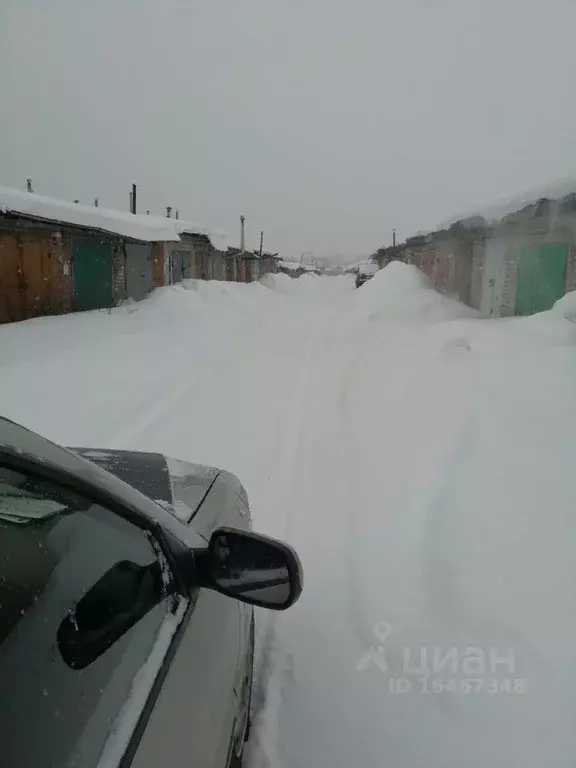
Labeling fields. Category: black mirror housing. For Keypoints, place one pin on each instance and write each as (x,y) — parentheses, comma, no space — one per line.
(253,568)
(123,596)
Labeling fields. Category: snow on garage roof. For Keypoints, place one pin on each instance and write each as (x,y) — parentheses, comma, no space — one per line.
(104,219)
(295,265)
(136,227)
(219,240)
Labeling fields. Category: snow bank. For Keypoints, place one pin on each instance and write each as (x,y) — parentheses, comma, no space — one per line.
(400,293)
(302,286)
(566,306)
(137,227)
(279,282)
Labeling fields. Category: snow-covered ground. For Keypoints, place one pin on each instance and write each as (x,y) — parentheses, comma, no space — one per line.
(422,462)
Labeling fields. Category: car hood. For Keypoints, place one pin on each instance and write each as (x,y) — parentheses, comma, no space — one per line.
(164,480)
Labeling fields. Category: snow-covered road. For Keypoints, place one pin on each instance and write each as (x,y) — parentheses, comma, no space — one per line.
(419,459)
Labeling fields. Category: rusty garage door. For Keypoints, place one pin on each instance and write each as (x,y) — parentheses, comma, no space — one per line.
(12,306)
(34,276)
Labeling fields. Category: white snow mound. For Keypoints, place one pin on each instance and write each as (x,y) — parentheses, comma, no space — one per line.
(279,283)
(401,293)
(566,306)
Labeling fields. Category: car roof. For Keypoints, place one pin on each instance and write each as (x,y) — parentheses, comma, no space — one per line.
(20,445)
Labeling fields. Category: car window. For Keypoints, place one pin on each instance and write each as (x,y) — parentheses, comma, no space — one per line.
(54,547)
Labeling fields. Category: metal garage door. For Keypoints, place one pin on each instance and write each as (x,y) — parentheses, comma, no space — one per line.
(138,271)
(181,265)
(92,264)
(493,278)
(541,279)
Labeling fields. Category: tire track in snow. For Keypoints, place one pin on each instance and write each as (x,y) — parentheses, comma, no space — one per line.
(271,671)
(145,413)
(160,405)
(163,399)
(348,451)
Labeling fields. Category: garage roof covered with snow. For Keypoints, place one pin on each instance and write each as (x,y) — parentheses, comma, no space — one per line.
(121,223)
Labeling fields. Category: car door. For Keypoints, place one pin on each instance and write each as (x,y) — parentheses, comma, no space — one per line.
(227,505)
(197,712)
(55,546)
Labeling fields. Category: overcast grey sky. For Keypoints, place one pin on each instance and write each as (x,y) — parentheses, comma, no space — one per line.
(326,122)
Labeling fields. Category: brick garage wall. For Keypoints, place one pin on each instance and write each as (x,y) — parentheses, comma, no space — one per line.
(61,288)
(119,272)
(423,257)
(453,261)
(477,273)
(461,275)
(571,270)
(508,303)
(442,267)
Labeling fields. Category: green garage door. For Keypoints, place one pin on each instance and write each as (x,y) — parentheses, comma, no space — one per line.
(92,263)
(541,277)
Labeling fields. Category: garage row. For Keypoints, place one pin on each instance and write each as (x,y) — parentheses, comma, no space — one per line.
(56,257)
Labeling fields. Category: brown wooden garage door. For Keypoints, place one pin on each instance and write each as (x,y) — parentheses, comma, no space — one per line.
(34,276)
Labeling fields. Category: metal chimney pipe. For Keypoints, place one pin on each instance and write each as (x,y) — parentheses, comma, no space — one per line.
(133,198)
(168,211)
(96,202)
(177,213)
(242,238)
(261,243)
(29,185)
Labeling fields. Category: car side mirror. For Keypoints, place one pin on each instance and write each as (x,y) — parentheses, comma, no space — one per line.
(123,596)
(253,568)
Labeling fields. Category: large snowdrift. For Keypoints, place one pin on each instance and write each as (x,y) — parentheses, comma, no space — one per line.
(400,293)
(566,306)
